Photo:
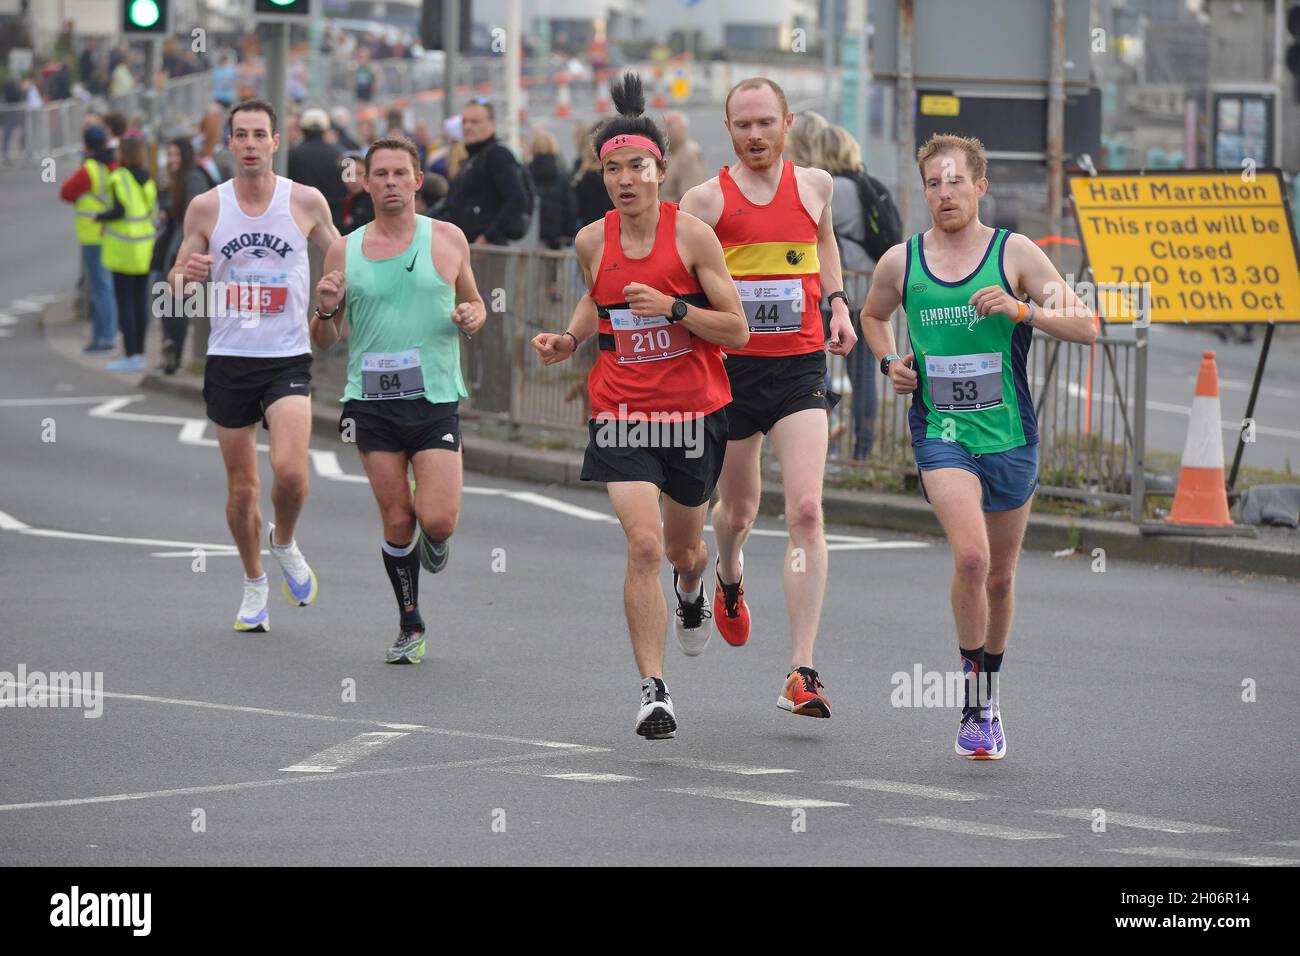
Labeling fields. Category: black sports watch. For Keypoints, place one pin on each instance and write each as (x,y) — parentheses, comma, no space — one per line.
(884,363)
(678,311)
(839,295)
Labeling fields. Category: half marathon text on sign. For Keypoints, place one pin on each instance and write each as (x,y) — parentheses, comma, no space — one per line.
(1212,246)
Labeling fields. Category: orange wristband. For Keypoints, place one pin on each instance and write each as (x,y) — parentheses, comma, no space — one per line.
(1020,312)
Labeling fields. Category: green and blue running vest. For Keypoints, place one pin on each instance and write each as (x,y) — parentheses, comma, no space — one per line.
(972,388)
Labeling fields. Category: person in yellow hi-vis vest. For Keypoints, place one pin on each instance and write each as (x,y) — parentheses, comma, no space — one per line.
(87,190)
(128,247)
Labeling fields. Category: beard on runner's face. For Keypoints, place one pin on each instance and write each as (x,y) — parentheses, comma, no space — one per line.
(758,146)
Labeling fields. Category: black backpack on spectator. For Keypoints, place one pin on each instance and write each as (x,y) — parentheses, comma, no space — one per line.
(882,223)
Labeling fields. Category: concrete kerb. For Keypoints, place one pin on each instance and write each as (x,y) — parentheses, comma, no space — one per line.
(490,456)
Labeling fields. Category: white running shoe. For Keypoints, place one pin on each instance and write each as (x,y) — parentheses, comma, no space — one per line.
(655,720)
(253,616)
(694,624)
(299,579)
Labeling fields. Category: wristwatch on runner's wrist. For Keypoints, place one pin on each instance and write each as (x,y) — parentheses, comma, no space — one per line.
(839,295)
(678,311)
(884,363)
(328,315)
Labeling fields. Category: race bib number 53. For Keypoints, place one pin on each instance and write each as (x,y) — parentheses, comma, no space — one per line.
(964,383)
(647,338)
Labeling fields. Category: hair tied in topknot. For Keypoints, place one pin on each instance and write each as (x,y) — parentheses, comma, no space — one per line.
(628,95)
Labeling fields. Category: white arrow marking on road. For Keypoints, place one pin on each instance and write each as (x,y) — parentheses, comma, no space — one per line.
(326,464)
(1138,822)
(1212,856)
(10,523)
(716,765)
(971,828)
(340,755)
(910,789)
(753,796)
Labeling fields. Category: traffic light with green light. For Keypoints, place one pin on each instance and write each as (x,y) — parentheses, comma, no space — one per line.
(288,9)
(147,18)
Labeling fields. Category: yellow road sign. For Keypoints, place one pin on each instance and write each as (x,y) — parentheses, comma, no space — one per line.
(1204,246)
(934,105)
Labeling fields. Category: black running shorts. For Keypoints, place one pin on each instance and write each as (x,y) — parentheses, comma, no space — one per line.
(765,389)
(238,390)
(683,460)
(401,424)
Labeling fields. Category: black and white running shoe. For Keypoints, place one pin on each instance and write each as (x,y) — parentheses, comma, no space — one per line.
(655,720)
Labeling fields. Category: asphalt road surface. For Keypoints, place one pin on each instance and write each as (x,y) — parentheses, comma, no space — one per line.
(513,743)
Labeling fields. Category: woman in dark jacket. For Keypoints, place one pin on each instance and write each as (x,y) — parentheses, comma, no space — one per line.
(185,181)
(590,195)
(557,213)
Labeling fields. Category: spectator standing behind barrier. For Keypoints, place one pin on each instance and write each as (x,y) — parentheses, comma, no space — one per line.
(13,117)
(589,192)
(87,190)
(358,208)
(685,159)
(838,153)
(128,247)
(225,77)
(185,181)
(557,212)
(314,162)
(365,78)
(210,151)
(801,144)
(487,200)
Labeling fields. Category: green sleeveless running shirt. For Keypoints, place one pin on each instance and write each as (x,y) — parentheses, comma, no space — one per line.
(403,342)
(972,388)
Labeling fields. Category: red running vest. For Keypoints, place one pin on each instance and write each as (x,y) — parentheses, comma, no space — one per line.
(771,252)
(646,364)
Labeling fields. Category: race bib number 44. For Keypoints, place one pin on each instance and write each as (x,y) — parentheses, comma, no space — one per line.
(964,383)
(391,375)
(647,338)
(772,306)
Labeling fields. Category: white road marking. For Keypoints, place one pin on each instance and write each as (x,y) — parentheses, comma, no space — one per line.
(753,796)
(1211,856)
(910,789)
(972,828)
(6,319)
(563,507)
(27,305)
(65,400)
(115,539)
(718,766)
(1138,822)
(230,551)
(1286,843)
(579,776)
(9,523)
(350,751)
(415,728)
(274,782)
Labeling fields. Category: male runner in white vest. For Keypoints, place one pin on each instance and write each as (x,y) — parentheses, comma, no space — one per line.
(249,236)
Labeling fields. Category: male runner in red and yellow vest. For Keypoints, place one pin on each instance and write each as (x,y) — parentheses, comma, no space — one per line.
(774,221)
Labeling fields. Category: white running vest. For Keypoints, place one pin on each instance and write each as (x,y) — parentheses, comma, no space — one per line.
(261,276)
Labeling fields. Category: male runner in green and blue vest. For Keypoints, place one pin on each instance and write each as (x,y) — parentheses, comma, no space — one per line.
(973,296)
(409,294)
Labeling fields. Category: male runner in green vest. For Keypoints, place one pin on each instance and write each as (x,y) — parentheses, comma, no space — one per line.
(409,294)
(973,296)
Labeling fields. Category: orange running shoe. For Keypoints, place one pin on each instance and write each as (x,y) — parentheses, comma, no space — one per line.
(730,613)
(803,694)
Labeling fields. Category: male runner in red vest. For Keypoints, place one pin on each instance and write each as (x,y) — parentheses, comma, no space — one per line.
(661,304)
(774,221)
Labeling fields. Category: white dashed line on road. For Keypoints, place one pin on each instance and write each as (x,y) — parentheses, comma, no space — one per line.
(1136,821)
(1209,856)
(754,796)
(715,765)
(910,789)
(972,828)
(350,751)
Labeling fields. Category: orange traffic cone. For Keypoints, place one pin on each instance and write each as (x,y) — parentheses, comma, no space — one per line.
(1201,498)
(562,103)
